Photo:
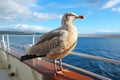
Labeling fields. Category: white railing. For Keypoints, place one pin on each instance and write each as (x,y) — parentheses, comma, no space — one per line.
(96,57)
(73,53)
(86,72)
(2,42)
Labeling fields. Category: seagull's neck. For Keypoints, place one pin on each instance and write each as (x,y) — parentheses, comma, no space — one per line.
(67,25)
(71,30)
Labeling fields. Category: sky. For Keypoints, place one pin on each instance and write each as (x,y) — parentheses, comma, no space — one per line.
(101,16)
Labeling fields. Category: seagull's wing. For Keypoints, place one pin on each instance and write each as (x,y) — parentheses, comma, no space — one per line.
(49,41)
(48,36)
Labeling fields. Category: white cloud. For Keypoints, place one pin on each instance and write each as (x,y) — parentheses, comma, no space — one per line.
(116,9)
(110,4)
(46,16)
(22,10)
(25,27)
(10,10)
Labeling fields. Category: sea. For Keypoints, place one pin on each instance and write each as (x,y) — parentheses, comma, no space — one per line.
(97,46)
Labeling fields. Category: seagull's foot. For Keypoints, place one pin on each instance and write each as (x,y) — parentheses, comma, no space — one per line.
(65,70)
(61,72)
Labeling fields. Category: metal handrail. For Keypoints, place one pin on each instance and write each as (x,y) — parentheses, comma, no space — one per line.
(97,57)
(83,55)
(87,72)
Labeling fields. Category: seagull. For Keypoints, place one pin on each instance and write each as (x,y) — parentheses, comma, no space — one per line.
(57,43)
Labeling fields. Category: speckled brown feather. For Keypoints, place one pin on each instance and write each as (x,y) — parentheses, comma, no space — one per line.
(59,42)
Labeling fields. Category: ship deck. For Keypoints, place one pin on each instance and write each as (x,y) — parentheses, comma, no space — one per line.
(38,65)
(4,73)
(11,68)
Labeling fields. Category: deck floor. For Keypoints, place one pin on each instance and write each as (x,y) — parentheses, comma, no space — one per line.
(39,65)
(4,75)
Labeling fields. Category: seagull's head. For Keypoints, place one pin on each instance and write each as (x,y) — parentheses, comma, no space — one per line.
(71,17)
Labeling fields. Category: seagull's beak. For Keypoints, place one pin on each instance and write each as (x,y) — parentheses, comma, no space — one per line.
(81,17)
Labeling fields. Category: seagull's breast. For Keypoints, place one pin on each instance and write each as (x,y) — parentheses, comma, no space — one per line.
(67,42)
(72,34)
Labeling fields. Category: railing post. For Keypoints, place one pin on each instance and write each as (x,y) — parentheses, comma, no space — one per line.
(3,45)
(8,43)
(33,39)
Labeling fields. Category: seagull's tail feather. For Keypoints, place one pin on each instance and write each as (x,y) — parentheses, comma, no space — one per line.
(26,57)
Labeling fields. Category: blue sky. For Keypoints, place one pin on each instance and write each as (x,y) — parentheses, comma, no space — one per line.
(101,16)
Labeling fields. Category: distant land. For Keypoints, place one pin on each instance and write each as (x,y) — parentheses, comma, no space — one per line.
(37,33)
(19,33)
(100,35)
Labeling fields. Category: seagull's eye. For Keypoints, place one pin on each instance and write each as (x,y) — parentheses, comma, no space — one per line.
(70,15)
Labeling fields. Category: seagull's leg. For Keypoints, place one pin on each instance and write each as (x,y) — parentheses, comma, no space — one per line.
(55,67)
(61,68)
(58,71)
(61,71)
